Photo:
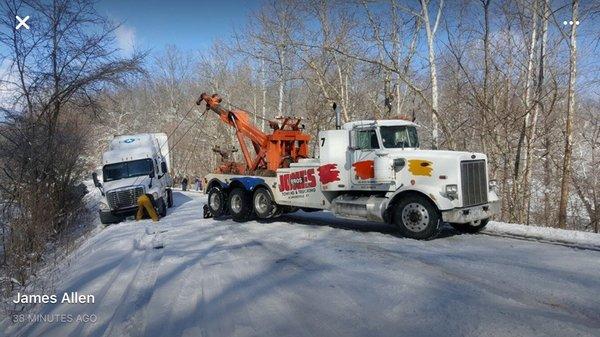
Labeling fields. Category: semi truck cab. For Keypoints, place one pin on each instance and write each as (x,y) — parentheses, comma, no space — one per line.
(134,165)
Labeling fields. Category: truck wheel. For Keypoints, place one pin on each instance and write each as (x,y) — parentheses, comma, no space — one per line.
(264,206)
(162,208)
(169,198)
(216,201)
(417,218)
(240,205)
(473,227)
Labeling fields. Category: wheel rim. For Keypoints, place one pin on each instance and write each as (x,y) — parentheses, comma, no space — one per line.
(475,223)
(415,217)
(261,203)
(215,201)
(236,203)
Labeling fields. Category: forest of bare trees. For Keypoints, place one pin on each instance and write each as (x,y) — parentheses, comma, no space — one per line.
(517,80)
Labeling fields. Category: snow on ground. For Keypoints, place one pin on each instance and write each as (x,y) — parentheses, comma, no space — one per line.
(545,233)
(309,274)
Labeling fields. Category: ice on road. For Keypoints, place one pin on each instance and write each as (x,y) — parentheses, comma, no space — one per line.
(309,274)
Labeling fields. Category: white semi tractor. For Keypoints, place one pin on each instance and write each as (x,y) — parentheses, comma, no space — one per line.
(370,170)
(134,165)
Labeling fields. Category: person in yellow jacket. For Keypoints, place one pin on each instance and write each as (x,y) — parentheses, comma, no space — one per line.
(146,208)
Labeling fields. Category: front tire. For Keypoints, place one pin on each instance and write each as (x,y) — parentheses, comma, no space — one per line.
(417,218)
(216,202)
(240,205)
(471,228)
(169,198)
(162,208)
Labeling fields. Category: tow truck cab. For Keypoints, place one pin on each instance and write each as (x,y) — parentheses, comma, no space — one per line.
(382,162)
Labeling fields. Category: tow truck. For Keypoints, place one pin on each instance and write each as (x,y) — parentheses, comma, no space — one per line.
(367,170)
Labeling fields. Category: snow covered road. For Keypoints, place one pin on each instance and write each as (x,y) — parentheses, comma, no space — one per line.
(313,275)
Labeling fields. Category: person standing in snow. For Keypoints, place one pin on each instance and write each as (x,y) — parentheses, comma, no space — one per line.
(198,184)
(146,208)
(184,183)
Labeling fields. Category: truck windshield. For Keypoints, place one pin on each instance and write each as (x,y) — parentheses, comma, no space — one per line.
(127,169)
(399,136)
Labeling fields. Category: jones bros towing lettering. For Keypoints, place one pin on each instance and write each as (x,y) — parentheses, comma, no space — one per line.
(297,180)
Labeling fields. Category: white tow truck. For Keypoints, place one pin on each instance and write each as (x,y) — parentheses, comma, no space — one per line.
(369,170)
(132,166)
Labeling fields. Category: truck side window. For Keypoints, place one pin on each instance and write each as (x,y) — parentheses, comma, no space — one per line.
(367,139)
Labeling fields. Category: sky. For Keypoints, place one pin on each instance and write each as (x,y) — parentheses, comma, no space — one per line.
(189,24)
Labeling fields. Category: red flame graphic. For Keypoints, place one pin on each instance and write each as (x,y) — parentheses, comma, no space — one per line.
(364,169)
(328,173)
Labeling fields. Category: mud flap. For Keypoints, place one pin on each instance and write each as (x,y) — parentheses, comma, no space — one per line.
(207,214)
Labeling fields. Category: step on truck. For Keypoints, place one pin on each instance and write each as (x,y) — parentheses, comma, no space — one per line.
(368,170)
(134,165)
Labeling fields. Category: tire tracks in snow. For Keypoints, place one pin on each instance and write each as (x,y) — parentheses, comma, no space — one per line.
(129,316)
(138,279)
(187,299)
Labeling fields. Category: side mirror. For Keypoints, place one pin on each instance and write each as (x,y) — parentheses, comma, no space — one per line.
(96,181)
(399,164)
(163,167)
(151,174)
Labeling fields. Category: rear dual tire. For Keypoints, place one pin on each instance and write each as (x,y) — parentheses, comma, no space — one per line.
(263,204)
(217,204)
(240,205)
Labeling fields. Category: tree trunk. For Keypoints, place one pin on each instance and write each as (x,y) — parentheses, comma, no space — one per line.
(566,169)
(432,69)
(263,84)
(519,189)
(531,120)
(281,82)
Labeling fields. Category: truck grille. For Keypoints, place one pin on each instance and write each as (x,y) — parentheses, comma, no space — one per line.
(124,198)
(474,182)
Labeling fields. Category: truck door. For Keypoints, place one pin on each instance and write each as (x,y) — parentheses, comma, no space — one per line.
(366,143)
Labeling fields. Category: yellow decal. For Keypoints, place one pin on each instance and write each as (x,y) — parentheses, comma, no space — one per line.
(419,167)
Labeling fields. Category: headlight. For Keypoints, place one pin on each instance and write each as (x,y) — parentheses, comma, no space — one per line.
(104,206)
(452,191)
(493,185)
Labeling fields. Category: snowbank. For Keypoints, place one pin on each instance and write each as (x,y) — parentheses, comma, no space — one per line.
(544,233)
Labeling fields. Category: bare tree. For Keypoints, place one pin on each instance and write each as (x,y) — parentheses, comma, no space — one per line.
(566,168)
(60,69)
(431,31)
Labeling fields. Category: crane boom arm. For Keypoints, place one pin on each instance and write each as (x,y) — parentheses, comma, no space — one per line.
(285,145)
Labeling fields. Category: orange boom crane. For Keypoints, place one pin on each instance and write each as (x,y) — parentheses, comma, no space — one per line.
(287,144)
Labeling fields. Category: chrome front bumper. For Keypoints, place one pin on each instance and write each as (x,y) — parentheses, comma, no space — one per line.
(468,214)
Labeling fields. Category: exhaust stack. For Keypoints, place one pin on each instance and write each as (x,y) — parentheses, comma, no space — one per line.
(338,123)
